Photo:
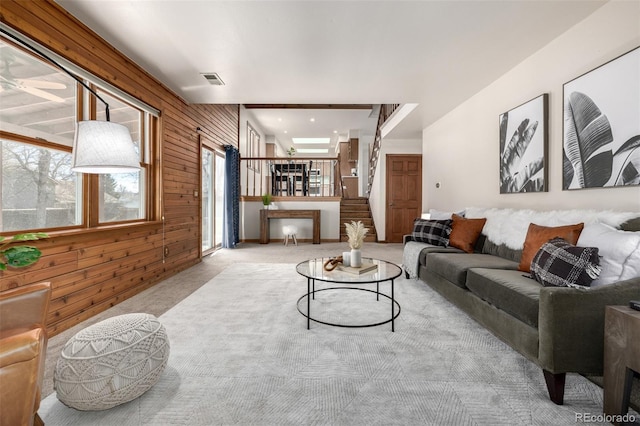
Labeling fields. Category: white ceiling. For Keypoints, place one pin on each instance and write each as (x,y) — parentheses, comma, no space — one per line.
(434,53)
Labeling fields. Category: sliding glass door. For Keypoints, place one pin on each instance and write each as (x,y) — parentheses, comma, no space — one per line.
(212,199)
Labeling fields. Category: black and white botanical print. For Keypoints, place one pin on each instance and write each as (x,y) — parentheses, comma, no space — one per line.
(601,144)
(523,147)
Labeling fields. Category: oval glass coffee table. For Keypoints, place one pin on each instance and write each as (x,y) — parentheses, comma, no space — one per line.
(314,271)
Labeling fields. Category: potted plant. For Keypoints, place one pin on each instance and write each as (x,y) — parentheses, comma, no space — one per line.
(266,200)
(19,256)
(291,152)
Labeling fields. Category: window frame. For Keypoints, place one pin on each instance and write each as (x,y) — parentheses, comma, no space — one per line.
(86,109)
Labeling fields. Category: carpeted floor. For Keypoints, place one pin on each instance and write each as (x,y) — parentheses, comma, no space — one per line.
(241,354)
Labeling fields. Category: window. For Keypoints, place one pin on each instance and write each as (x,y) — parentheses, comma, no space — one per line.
(122,194)
(253,148)
(39,190)
(37,100)
(38,113)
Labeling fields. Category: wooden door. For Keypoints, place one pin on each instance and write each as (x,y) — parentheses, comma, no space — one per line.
(404,195)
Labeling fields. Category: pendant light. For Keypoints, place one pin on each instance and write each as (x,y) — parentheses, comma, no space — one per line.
(99,147)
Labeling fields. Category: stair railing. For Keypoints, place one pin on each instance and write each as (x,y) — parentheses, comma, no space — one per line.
(385,112)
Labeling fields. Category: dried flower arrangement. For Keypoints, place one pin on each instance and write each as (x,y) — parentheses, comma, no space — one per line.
(356,233)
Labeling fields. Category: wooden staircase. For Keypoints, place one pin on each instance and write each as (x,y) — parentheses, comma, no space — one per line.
(356,209)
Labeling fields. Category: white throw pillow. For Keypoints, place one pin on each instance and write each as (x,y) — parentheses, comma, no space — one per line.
(619,252)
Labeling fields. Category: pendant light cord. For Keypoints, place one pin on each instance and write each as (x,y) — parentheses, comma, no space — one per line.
(48,58)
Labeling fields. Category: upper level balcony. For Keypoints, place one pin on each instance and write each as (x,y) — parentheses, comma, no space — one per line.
(290,178)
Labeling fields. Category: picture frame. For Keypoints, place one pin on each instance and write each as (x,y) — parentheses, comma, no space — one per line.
(601,125)
(524,141)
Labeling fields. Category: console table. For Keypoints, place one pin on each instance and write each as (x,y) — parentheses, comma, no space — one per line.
(621,356)
(266,214)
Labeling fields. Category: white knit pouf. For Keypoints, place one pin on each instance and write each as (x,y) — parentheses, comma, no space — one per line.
(290,231)
(111,362)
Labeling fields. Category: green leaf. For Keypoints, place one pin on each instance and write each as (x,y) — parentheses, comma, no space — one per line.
(30,236)
(20,256)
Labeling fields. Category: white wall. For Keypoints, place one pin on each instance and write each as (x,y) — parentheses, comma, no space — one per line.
(377,201)
(329,220)
(461,149)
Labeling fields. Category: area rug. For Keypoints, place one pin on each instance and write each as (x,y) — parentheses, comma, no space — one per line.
(241,355)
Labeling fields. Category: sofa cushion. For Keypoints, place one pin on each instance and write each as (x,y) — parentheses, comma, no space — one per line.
(538,235)
(436,249)
(465,232)
(434,232)
(508,290)
(619,252)
(414,253)
(454,266)
(561,264)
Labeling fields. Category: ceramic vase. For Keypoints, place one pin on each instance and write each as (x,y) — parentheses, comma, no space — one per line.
(356,258)
(346,258)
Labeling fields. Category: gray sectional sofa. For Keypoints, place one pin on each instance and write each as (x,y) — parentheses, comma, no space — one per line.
(558,328)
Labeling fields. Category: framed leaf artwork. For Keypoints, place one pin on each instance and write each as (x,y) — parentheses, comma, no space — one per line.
(523,147)
(601,129)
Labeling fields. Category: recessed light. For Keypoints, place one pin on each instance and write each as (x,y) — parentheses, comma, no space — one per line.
(313,150)
(285,131)
(313,141)
(312,119)
(335,131)
(279,119)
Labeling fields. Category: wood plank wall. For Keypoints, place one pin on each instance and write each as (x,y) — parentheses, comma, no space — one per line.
(94,269)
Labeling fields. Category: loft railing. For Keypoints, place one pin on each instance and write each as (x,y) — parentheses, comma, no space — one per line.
(385,112)
(289,177)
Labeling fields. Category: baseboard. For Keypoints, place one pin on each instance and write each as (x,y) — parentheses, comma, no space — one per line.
(281,240)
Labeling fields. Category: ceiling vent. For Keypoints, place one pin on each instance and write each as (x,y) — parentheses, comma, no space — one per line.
(213,79)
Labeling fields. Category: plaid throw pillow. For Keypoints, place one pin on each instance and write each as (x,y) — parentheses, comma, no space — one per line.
(559,263)
(434,232)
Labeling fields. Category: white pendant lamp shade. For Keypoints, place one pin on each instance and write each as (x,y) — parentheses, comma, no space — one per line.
(103,147)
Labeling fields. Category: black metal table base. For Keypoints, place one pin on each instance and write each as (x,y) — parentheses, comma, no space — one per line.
(311,291)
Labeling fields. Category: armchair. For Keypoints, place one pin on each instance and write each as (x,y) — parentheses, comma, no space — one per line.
(23,342)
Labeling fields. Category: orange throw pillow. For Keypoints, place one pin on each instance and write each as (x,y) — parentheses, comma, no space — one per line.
(537,235)
(465,232)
